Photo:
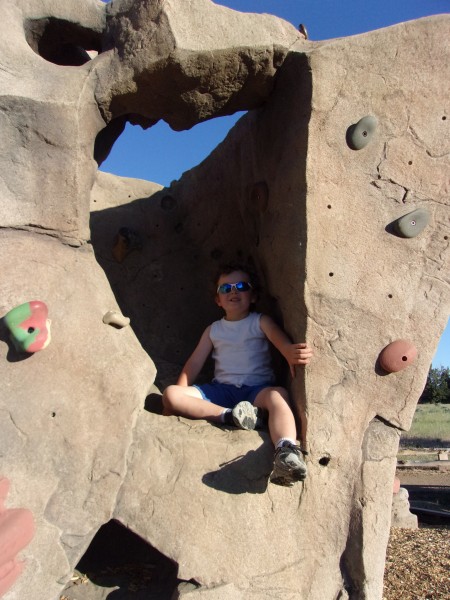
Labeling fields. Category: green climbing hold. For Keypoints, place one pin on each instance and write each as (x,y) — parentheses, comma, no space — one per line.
(412,223)
(29,326)
(362,132)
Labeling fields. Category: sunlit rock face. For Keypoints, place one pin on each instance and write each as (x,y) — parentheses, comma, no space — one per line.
(352,136)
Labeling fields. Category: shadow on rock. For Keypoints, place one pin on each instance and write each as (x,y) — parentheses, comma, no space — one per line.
(153,404)
(13,355)
(246,474)
(121,566)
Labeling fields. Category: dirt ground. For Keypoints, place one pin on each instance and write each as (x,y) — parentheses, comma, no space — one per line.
(424,477)
(418,560)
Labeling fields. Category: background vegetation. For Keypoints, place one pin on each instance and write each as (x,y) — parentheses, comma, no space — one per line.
(437,389)
(431,424)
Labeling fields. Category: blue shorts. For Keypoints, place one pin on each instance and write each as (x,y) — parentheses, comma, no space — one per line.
(228,395)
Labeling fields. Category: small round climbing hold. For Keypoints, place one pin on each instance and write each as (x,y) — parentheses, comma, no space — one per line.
(168,203)
(397,356)
(362,132)
(126,241)
(413,223)
(29,326)
(259,197)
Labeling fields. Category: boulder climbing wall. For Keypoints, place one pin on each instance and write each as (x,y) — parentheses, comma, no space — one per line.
(336,188)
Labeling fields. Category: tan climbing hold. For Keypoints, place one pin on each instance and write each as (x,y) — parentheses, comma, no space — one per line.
(113,317)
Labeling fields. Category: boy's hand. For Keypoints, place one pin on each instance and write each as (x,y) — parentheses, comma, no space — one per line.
(298,354)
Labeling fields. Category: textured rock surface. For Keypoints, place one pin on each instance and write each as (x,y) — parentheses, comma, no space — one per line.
(67,412)
(401,514)
(75,441)
(364,286)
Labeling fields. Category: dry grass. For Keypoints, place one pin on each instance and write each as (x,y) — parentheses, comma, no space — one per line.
(430,427)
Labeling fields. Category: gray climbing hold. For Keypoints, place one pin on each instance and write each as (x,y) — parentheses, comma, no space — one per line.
(362,132)
(413,223)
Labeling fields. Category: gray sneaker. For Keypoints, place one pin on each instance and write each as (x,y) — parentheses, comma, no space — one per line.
(247,416)
(289,465)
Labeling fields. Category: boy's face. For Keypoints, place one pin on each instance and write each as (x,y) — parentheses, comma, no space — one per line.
(235,304)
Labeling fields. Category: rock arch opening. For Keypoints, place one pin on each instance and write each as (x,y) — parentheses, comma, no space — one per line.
(62,42)
(119,559)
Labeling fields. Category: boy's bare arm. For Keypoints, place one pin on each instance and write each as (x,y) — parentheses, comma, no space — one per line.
(295,354)
(195,362)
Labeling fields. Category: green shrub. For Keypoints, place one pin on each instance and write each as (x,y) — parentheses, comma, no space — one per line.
(437,388)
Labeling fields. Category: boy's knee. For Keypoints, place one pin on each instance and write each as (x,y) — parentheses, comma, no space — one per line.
(273,396)
(279,393)
(168,396)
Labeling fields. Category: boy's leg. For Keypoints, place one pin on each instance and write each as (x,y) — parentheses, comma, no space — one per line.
(188,402)
(275,401)
(289,465)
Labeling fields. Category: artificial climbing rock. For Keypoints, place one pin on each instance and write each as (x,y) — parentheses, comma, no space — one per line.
(74,432)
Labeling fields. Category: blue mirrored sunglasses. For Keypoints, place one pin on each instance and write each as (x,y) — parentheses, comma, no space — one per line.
(240,286)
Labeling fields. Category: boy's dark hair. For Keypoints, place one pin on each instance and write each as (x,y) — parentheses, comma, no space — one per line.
(228,268)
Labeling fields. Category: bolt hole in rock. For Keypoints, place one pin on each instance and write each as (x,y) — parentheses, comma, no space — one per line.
(324,461)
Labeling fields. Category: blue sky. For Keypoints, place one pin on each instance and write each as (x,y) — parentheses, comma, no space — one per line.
(162,155)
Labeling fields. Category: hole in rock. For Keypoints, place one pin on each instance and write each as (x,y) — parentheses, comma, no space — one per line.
(331,274)
(404,358)
(61,42)
(390,296)
(119,559)
(409,162)
(324,461)
(132,146)
(444,118)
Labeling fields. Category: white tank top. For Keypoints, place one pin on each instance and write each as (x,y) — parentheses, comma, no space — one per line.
(241,352)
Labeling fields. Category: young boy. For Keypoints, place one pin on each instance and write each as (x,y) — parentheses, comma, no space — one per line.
(243,389)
